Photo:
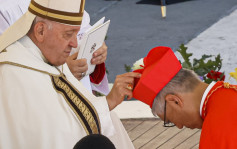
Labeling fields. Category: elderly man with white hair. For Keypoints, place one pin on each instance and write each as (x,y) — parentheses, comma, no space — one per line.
(12,10)
(42,105)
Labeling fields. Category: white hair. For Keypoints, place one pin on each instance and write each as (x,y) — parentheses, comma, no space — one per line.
(157,106)
(48,22)
(39,19)
(184,81)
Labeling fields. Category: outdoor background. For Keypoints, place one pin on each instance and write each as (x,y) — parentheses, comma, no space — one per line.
(137,26)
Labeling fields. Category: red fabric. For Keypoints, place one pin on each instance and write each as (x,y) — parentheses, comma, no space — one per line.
(160,66)
(97,76)
(219,130)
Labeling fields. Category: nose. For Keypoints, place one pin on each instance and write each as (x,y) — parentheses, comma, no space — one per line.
(73,42)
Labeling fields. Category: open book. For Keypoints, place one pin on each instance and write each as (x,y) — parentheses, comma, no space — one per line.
(92,40)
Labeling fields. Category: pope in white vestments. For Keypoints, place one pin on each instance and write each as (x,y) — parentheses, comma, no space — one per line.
(44,106)
(12,10)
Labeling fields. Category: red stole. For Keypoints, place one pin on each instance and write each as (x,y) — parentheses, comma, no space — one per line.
(219,112)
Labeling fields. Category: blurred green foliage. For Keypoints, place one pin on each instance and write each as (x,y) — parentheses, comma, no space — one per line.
(201,66)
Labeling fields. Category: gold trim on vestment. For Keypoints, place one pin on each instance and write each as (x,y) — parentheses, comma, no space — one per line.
(4,50)
(27,67)
(225,85)
(84,110)
(91,117)
(53,15)
(56,15)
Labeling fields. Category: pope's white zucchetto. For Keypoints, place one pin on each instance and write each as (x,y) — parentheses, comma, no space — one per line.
(69,12)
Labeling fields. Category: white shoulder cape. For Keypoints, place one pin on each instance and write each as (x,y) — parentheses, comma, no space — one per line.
(32,113)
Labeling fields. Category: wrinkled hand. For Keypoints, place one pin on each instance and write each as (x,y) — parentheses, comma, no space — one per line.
(100,55)
(122,87)
(78,67)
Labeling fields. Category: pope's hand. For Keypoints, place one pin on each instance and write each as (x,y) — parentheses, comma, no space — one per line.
(100,55)
(78,67)
(122,87)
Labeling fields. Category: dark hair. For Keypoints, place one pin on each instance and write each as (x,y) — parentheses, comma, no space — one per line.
(94,141)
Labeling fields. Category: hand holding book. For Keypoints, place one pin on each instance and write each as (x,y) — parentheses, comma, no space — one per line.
(92,40)
(100,55)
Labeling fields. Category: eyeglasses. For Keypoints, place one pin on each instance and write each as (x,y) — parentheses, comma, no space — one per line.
(168,123)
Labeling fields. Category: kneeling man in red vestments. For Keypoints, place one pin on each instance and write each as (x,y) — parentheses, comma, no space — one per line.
(180,98)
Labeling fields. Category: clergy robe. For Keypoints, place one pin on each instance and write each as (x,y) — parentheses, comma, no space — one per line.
(35,114)
(219,130)
(12,10)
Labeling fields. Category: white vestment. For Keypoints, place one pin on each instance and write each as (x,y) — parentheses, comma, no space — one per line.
(12,10)
(33,115)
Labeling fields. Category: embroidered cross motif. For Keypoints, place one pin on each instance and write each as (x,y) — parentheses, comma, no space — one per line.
(93,47)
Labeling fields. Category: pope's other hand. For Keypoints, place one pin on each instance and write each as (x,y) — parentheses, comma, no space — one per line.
(100,55)
(78,67)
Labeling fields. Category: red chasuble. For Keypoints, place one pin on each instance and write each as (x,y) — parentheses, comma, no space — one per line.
(219,130)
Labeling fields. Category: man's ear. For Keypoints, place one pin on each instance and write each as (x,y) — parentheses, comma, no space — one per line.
(174,100)
(40,30)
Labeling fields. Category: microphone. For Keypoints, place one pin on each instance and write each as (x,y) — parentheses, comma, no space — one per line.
(94,141)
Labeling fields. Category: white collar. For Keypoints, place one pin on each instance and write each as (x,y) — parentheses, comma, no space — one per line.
(28,43)
(205,95)
(25,52)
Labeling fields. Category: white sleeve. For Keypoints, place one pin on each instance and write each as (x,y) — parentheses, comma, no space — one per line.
(10,11)
(102,87)
(85,23)
(3,24)
(84,26)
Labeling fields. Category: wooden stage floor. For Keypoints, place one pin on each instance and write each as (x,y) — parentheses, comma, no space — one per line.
(150,134)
